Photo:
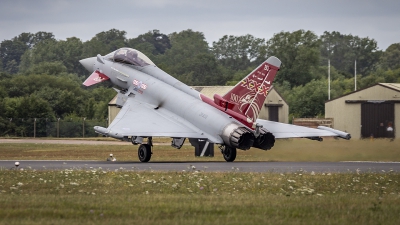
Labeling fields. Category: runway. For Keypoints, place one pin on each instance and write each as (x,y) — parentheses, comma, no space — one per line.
(64,141)
(272,167)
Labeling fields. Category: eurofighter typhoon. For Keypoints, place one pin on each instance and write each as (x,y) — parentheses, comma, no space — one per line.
(155,104)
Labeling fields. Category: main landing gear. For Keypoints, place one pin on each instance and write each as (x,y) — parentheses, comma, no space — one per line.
(144,151)
(229,153)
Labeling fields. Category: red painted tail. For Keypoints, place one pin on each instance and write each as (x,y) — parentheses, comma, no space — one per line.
(249,95)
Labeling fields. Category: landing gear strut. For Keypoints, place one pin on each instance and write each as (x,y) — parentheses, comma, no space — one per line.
(144,151)
(229,153)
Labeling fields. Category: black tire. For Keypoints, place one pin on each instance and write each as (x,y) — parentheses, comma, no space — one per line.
(144,152)
(229,154)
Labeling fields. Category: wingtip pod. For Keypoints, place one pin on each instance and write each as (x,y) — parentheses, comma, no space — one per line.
(340,134)
(108,133)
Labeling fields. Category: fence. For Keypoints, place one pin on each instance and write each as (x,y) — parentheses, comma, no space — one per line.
(44,127)
(313,122)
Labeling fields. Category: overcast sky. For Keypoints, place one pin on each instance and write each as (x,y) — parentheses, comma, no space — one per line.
(376,19)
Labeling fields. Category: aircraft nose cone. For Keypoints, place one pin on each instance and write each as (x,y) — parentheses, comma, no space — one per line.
(88,63)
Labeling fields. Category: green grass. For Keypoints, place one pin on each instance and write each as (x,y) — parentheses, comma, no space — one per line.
(200,197)
(284,150)
(193,197)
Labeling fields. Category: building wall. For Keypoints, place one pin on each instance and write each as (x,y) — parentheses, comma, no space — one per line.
(275,99)
(347,116)
(113,110)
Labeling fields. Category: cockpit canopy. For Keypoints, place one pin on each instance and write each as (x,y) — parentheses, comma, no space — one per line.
(129,56)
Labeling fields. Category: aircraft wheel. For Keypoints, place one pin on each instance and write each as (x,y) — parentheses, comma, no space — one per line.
(229,154)
(144,152)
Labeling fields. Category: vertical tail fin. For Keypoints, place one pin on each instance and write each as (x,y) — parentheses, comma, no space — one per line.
(249,94)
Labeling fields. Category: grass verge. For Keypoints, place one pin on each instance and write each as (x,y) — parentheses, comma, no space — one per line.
(284,150)
(193,197)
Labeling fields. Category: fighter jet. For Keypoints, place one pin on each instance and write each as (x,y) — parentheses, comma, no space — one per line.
(155,104)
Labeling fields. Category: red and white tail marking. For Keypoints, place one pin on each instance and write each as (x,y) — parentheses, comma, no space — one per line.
(249,94)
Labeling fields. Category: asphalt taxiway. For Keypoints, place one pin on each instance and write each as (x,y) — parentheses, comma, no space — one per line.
(237,166)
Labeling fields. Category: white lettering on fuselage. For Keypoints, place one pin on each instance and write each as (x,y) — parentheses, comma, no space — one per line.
(203,115)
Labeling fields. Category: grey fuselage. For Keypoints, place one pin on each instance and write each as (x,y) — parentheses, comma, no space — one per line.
(163,90)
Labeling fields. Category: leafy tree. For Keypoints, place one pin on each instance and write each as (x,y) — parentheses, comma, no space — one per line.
(3,120)
(61,101)
(238,52)
(67,52)
(40,37)
(380,76)
(34,107)
(151,43)
(63,94)
(11,51)
(101,96)
(185,46)
(237,75)
(344,50)
(22,112)
(104,43)
(71,52)
(342,86)
(10,54)
(203,70)
(12,66)
(50,68)
(46,51)
(90,108)
(391,57)
(299,53)
(190,60)
(101,110)
(308,100)
(21,85)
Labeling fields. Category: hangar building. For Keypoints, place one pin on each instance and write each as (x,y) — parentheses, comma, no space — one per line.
(275,107)
(370,112)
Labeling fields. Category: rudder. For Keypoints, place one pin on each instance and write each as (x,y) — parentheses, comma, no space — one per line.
(249,94)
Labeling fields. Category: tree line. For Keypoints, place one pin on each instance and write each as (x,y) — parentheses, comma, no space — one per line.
(41,77)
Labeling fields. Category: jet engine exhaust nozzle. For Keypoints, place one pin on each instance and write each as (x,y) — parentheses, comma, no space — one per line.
(238,137)
(265,140)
